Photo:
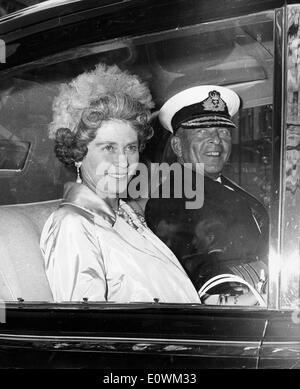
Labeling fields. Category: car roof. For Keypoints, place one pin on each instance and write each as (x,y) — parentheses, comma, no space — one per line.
(57,9)
(48,10)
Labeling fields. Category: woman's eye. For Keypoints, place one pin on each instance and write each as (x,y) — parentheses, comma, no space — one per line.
(132,148)
(109,148)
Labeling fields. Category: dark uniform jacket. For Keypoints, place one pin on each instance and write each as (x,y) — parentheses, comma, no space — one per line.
(230,228)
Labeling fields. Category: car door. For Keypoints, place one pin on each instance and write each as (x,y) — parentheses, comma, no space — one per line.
(280,346)
(134,336)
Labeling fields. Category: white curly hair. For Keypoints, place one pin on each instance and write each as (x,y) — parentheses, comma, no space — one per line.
(77,95)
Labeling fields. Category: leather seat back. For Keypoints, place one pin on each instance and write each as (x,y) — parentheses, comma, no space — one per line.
(22,272)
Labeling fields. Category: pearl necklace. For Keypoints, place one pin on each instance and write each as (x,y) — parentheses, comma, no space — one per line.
(133,218)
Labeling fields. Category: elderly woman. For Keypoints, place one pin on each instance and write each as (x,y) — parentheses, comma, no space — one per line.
(95,245)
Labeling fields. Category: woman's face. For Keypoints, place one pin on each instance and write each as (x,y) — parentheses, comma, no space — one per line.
(112,158)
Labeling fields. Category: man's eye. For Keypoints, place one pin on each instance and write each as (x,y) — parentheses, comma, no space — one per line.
(203,132)
(224,132)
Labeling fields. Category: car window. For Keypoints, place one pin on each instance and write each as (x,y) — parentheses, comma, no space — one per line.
(287,264)
(237,53)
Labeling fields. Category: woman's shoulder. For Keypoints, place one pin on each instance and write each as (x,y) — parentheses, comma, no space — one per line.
(70,214)
(69,226)
(74,211)
(68,220)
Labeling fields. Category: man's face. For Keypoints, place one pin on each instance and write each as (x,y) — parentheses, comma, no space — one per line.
(210,146)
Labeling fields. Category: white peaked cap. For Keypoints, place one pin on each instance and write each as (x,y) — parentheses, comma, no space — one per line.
(192,99)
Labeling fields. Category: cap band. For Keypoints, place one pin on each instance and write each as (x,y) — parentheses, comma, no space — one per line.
(207,121)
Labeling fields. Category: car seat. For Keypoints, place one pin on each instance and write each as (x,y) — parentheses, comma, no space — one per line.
(22,272)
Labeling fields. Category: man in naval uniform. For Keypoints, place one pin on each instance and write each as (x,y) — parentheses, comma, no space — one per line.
(229,233)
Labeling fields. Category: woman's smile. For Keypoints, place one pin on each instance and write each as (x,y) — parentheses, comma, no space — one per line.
(118,175)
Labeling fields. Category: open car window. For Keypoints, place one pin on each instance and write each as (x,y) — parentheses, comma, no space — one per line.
(237,53)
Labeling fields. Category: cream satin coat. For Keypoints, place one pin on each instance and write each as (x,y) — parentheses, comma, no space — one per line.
(90,252)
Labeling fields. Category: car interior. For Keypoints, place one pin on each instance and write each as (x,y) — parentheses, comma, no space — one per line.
(237,53)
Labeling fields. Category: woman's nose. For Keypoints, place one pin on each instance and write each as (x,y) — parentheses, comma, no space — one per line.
(122,160)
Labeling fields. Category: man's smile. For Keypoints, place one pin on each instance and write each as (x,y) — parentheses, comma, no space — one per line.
(213,153)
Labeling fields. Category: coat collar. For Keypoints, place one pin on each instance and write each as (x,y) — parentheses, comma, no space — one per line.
(81,196)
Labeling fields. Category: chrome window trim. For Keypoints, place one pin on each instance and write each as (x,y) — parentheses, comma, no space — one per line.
(169,346)
(278,125)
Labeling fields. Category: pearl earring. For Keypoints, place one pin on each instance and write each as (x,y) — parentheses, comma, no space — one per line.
(78,165)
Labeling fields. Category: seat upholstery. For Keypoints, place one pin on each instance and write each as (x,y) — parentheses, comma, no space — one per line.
(22,272)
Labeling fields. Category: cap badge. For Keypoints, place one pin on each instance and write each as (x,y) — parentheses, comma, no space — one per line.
(214,102)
